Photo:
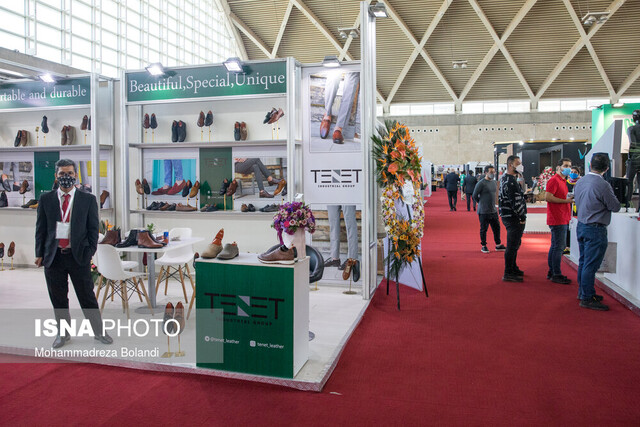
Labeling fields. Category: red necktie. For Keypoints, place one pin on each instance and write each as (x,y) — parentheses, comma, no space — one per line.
(64,243)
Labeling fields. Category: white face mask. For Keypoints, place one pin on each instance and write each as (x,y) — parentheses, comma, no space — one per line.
(520,168)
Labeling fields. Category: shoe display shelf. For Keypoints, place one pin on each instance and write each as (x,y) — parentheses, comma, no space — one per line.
(151,106)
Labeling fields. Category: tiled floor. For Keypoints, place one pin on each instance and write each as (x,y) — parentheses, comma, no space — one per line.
(333,316)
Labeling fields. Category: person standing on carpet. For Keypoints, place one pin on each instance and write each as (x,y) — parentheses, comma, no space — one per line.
(451,182)
(66,239)
(595,200)
(485,194)
(513,210)
(558,217)
(469,185)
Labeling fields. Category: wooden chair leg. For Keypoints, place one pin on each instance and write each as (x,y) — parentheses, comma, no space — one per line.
(146,297)
(122,293)
(159,279)
(193,285)
(99,287)
(193,298)
(137,290)
(125,297)
(166,281)
(184,290)
(104,297)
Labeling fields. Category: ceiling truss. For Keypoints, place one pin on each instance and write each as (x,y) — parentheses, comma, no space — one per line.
(419,47)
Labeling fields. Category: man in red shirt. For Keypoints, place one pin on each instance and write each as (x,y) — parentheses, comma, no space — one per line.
(558,217)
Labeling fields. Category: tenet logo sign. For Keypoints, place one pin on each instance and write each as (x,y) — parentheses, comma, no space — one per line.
(343,178)
(245,306)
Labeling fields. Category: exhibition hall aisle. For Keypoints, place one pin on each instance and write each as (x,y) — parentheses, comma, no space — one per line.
(478,351)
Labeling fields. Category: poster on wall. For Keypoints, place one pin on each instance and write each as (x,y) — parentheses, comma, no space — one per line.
(17,179)
(332,156)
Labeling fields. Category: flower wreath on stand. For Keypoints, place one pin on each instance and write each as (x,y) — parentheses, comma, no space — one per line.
(544,177)
(398,163)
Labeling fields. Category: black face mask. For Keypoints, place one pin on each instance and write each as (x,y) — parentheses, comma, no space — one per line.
(66,181)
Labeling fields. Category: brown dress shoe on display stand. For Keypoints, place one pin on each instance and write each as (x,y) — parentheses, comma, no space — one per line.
(24,187)
(139,188)
(232,188)
(103,197)
(243,131)
(71,134)
(281,185)
(185,190)
(347,269)
(85,119)
(24,138)
(276,116)
(63,136)
(145,122)
(200,121)
(145,240)
(194,190)
(185,208)
(337,137)
(325,125)
(11,250)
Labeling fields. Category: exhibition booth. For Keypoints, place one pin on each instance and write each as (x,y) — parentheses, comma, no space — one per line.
(188,159)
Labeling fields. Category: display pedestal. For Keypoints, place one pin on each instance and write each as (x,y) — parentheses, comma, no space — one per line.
(266,315)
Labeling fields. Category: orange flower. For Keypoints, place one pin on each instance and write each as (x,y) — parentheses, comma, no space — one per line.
(393,168)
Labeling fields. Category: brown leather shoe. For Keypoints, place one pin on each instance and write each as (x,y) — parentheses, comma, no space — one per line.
(103,197)
(112,237)
(24,187)
(194,190)
(177,188)
(244,208)
(347,269)
(85,119)
(325,125)
(139,188)
(165,206)
(34,206)
(281,185)
(276,116)
(145,122)
(337,137)
(243,131)
(145,240)
(63,136)
(185,208)
(281,255)
(232,188)
(24,138)
(71,134)
(236,131)
(11,250)
(200,122)
(265,195)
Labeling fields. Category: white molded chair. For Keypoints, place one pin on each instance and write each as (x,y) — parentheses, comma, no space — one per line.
(118,280)
(176,262)
(126,265)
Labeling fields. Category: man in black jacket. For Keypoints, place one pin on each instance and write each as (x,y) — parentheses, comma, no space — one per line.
(66,239)
(513,210)
(451,182)
(470,182)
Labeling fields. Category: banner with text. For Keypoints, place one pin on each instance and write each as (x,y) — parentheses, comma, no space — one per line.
(202,82)
(31,94)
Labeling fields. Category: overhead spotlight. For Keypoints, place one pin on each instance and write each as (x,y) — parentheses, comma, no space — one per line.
(331,61)
(459,63)
(47,78)
(521,143)
(343,34)
(155,69)
(354,34)
(233,65)
(379,10)
(618,104)
(592,17)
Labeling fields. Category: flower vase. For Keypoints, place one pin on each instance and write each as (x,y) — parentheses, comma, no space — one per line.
(296,239)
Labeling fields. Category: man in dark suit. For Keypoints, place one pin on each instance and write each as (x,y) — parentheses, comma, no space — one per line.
(470,182)
(451,183)
(66,239)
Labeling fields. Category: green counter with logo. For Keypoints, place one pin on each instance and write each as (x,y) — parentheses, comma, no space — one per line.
(264,309)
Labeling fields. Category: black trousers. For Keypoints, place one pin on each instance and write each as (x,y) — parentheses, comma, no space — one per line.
(453,198)
(487,220)
(57,277)
(469,200)
(514,240)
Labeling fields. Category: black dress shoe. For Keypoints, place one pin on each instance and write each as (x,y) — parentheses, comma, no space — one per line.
(30,203)
(225,186)
(182,131)
(512,278)
(187,188)
(519,272)
(208,121)
(43,125)
(172,207)
(60,341)
(4,202)
(596,296)
(331,262)
(104,339)
(251,208)
(18,139)
(131,240)
(145,186)
(594,304)
(356,271)
(212,208)
(152,206)
(563,280)
(154,123)
(174,131)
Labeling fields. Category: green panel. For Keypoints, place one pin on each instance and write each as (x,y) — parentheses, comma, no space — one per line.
(258,317)
(213,81)
(216,164)
(602,118)
(40,94)
(44,171)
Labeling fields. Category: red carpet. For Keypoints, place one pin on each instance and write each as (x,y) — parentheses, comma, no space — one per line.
(477,352)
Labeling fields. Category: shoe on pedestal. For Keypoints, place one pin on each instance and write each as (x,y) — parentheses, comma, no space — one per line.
(139,188)
(208,121)
(243,131)
(145,122)
(236,131)
(85,119)
(169,311)
(16,142)
(103,197)
(267,118)
(174,131)
(182,131)
(229,251)
(1,250)
(276,116)
(24,187)
(281,186)
(71,135)
(145,186)
(224,187)
(153,123)
(232,188)
(11,250)
(194,190)
(281,255)
(200,121)
(24,138)
(186,188)
(43,125)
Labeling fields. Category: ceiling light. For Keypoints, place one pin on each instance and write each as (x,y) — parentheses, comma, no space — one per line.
(379,10)
(521,143)
(155,69)
(618,104)
(459,63)
(354,33)
(47,78)
(592,17)
(233,65)
(343,34)
(331,61)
